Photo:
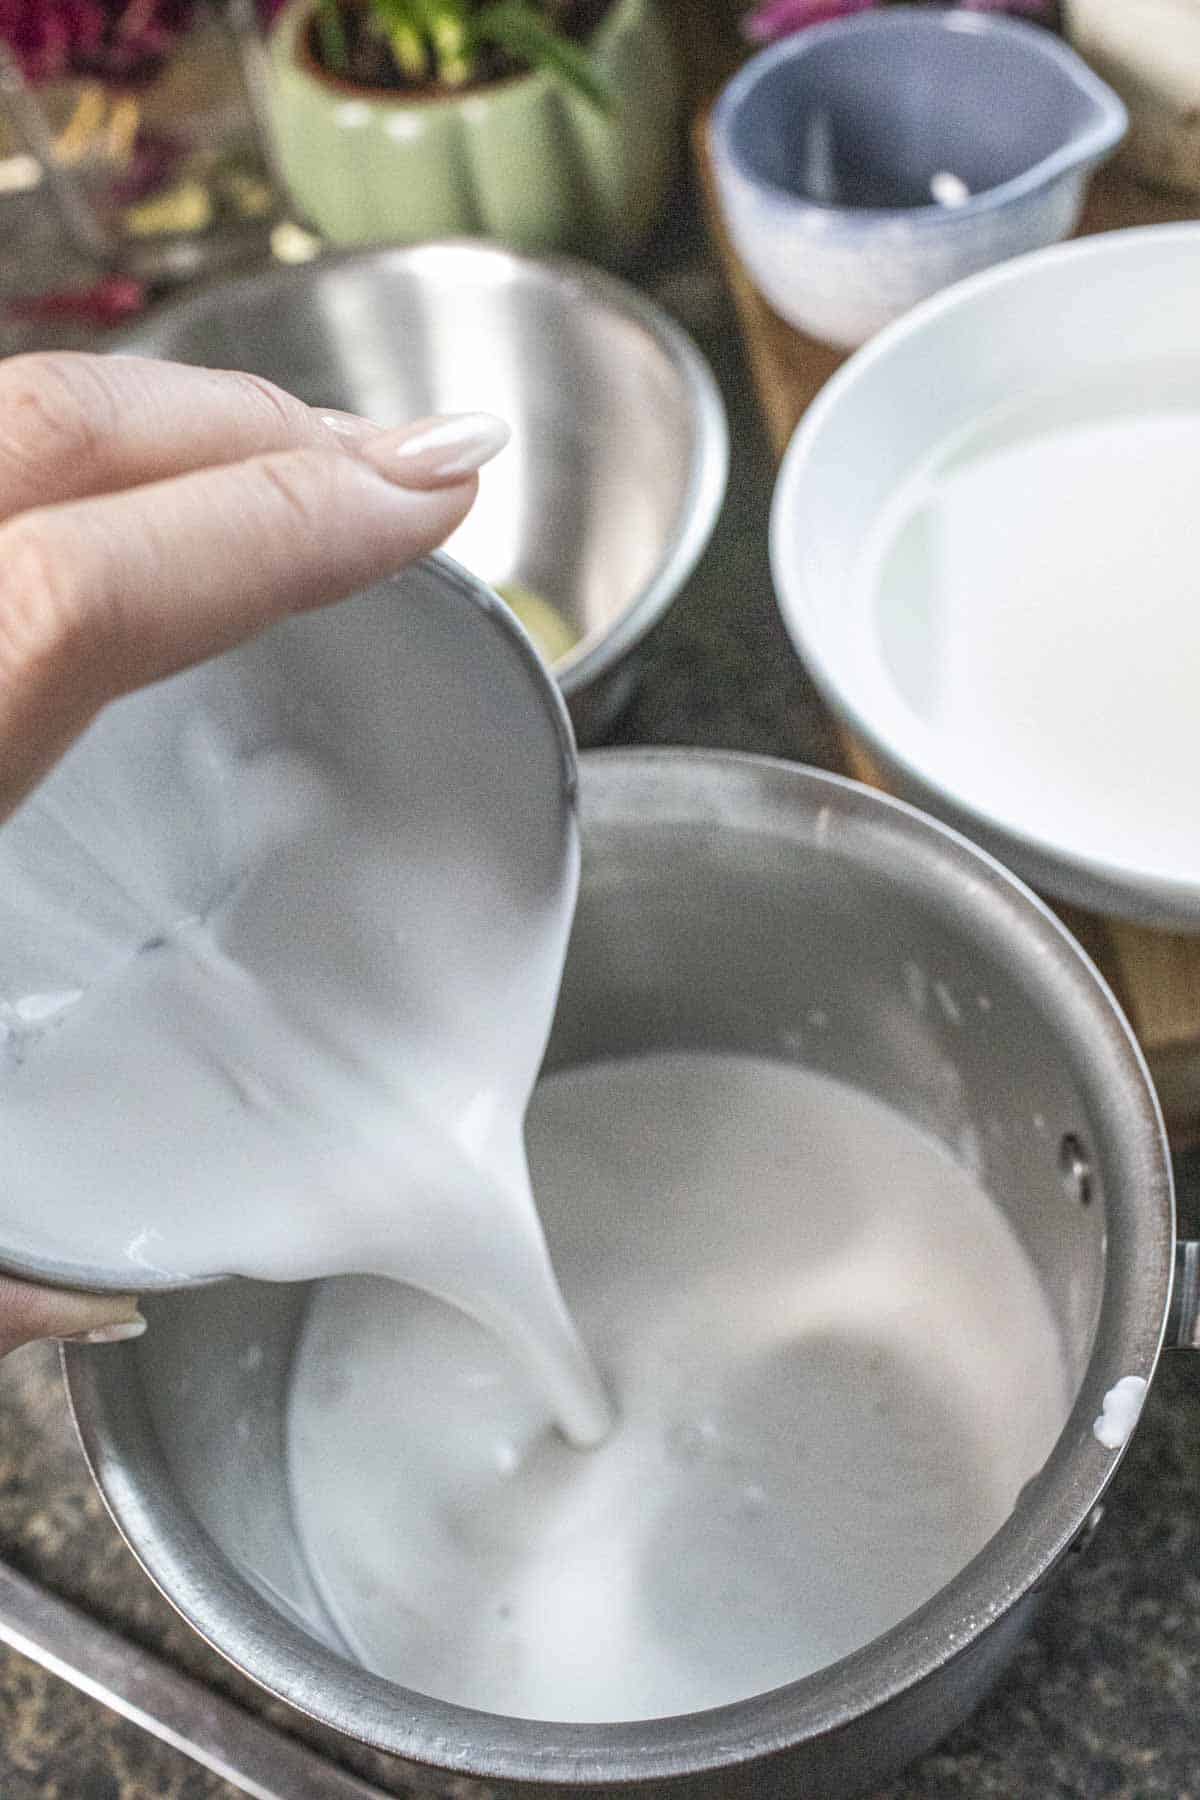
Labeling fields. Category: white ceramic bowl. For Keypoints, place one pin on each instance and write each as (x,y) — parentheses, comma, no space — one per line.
(831,147)
(1084,320)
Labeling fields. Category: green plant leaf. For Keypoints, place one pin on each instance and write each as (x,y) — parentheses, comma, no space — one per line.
(521,29)
(444,30)
(402,23)
(447,26)
(331,36)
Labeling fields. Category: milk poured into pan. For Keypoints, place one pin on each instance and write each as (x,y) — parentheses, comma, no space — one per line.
(834,1368)
(261,1017)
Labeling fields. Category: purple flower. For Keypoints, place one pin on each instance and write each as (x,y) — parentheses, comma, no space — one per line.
(1008,6)
(112,40)
(779,18)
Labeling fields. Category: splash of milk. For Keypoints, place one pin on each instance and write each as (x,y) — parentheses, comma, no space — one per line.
(1120,1411)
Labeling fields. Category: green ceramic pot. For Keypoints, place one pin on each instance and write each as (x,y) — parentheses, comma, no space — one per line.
(525,160)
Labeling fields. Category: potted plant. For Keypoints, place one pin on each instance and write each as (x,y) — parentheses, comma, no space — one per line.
(544,123)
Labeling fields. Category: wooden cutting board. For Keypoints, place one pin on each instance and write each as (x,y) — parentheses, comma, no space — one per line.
(1155,974)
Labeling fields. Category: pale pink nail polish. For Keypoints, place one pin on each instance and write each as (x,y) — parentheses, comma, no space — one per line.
(108,1334)
(435,452)
(349,427)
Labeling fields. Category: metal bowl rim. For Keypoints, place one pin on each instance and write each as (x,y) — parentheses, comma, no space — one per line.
(598,651)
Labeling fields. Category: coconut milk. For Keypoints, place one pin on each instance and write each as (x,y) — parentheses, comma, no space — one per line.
(834,1368)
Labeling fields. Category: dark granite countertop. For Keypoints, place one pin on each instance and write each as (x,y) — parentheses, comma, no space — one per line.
(1104,1698)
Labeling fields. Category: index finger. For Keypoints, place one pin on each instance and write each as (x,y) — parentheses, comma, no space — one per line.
(103,595)
(74,425)
(29,1311)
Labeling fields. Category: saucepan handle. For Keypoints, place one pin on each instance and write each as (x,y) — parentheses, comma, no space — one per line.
(1183,1321)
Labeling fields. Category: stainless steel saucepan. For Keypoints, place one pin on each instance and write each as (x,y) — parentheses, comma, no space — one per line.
(725,900)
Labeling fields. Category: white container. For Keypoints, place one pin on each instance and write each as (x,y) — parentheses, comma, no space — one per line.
(1108,328)
(864,164)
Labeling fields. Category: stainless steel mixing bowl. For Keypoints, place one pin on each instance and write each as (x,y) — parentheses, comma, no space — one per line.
(610,489)
(728,903)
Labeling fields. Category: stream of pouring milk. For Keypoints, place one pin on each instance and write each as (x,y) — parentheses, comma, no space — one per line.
(318,1075)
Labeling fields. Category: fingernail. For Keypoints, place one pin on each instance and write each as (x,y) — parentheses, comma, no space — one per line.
(435,452)
(349,426)
(109,1334)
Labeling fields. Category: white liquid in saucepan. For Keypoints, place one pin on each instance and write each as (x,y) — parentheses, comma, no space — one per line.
(834,1368)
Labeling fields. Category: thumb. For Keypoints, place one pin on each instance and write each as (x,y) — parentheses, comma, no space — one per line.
(29,1311)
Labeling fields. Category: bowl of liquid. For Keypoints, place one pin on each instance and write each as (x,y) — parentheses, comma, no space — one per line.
(865,163)
(855,1190)
(982,545)
(609,490)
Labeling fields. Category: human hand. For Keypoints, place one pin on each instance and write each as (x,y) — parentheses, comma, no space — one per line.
(153,515)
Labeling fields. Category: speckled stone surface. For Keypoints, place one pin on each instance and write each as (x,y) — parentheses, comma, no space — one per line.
(1103,1701)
